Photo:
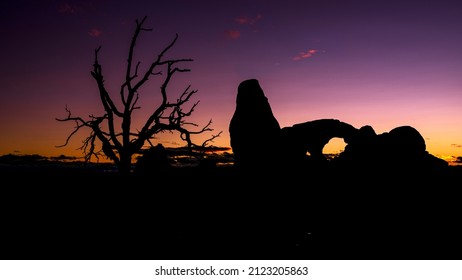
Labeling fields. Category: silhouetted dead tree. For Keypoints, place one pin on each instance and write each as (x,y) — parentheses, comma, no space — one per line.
(120,144)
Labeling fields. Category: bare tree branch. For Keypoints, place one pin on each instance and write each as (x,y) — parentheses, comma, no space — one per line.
(119,144)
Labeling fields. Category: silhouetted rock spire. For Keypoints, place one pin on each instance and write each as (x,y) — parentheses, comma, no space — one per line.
(254,131)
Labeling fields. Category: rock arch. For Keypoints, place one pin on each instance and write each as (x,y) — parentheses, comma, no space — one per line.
(312,136)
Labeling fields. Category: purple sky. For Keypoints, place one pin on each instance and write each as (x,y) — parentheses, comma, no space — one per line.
(378,63)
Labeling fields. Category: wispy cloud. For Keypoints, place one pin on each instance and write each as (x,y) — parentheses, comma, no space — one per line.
(95,32)
(456,145)
(66,8)
(245,20)
(232,34)
(305,54)
(82,6)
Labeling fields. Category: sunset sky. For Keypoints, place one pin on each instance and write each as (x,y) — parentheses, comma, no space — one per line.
(378,63)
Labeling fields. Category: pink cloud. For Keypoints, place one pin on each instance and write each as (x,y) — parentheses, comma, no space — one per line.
(248,20)
(232,34)
(95,32)
(303,55)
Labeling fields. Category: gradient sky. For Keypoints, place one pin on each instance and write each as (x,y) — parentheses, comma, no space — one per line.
(378,63)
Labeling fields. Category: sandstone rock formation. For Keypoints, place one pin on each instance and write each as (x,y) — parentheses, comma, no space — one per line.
(258,142)
(401,149)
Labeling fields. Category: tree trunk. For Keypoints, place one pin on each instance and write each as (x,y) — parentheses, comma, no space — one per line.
(125,163)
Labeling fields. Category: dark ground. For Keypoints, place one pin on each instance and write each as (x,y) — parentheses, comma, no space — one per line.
(59,212)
